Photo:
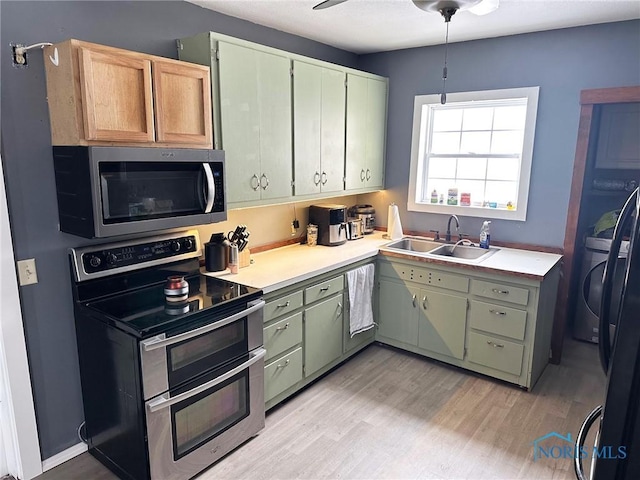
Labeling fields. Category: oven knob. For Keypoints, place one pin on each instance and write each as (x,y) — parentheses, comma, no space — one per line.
(175,246)
(188,243)
(111,259)
(95,261)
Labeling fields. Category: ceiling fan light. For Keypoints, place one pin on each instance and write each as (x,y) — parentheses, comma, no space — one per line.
(484,7)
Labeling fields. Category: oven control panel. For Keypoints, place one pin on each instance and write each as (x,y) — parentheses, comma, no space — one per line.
(137,253)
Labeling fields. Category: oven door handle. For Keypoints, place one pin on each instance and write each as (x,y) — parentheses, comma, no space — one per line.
(163,401)
(160,341)
(211,188)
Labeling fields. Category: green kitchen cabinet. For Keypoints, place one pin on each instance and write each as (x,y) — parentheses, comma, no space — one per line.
(322,334)
(255,116)
(318,128)
(365,132)
(399,312)
(443,321)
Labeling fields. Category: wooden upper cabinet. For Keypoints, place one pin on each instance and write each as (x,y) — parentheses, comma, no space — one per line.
(182,97)
(101,95)
(116,97)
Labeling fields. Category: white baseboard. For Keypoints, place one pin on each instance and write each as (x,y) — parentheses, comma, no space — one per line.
(63,456)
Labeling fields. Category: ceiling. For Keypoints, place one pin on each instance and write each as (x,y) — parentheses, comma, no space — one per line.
(366,26)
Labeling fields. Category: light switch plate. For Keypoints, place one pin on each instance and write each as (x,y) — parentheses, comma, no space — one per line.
(27,272)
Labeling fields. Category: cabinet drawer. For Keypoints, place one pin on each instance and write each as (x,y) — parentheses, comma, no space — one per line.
(497,319)
(497,291)
(425,276)
(323,290)
(282,374)
(499,354)
(283,335)
(282,306)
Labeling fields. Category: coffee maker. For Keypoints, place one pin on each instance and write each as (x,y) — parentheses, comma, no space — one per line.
(331,221)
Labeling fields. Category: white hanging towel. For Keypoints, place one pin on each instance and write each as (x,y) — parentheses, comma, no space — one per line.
(360,282)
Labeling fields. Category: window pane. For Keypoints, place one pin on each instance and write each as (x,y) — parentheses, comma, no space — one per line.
(475,142)
(501,193)
(445,142)
(469,168)
(442,167)
(503,169)
(477,119)
(510,118)
(475,188)
(507,142)
(447,120)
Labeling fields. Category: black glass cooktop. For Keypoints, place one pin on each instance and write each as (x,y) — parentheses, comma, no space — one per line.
(145,311)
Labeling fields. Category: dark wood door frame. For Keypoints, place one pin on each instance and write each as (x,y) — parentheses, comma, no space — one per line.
(589,99)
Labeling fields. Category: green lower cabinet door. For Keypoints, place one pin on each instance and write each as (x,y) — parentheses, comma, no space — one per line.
(282,374)
(442,323)
(322,334)
(398,312)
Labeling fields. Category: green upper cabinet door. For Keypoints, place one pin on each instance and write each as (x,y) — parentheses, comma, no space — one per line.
(319,128)
(255,115)
(366,132)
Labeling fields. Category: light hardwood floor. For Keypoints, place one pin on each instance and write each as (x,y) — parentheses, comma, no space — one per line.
(391,415)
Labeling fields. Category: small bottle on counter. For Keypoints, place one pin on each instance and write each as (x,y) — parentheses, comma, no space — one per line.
(485,235)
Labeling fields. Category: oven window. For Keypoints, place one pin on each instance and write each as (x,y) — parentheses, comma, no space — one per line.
(192,357)
(207,415)
(134,191)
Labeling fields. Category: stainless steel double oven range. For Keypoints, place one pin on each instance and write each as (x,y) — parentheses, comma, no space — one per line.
(169,387)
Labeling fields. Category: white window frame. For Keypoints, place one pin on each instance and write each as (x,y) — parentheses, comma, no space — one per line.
(421,117)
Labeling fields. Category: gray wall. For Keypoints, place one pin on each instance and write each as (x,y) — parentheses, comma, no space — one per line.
(150,27)
(561,62)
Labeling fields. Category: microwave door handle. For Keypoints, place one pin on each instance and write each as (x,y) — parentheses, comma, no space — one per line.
(164,402)
(211,188)
(160,341)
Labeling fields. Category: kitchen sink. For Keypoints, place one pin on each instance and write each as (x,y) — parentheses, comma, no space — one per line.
(463,252)
(414,245)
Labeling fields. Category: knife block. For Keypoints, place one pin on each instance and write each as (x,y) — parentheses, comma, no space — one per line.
(244,258)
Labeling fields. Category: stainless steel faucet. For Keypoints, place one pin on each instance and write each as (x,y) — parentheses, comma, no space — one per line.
(447,236)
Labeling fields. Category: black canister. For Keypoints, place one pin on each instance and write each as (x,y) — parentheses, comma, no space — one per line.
(216,253)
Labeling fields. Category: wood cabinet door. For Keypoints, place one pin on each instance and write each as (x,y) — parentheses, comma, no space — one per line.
(355,166)
(376,130)
(398,307)
(116,97)
(182,98)
(307,122)
(240,119)
(322,334)
(442,324)
(274,100)
(332,130)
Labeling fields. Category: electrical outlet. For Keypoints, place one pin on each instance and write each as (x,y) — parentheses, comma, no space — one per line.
(27,272)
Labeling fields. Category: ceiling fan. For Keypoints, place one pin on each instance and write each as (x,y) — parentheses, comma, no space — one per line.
(446,8)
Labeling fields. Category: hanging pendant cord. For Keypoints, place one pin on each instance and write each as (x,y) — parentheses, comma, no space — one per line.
(443,96)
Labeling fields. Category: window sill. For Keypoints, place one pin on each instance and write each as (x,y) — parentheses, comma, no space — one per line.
(482,212)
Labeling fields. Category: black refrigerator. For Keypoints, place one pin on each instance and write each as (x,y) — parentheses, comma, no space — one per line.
(616,453)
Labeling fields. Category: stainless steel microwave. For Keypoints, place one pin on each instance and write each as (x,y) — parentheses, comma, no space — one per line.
(110,191)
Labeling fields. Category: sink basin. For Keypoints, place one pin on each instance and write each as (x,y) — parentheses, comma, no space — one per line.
(414,245)
(463,252)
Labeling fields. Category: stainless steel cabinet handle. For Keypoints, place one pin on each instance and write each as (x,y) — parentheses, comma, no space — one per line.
(503,292)
(424,302)
(264,187)
(255,186)
(339,309)
(282,365)
(316,178)
(413,300)
(497,312)
(211,188)
(362,175)
(286,325)
(324,178)
(494,344)
(283,305)
(160,341)
(368,174)
(166,401)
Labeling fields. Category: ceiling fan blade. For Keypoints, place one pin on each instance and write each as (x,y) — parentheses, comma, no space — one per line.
(485,6)
(327,4)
